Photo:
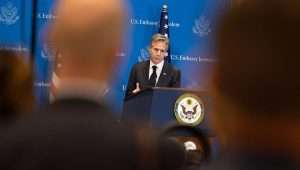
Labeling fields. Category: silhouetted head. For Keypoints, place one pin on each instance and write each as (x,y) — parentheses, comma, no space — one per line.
(16,87)
(255,87)
(88,36)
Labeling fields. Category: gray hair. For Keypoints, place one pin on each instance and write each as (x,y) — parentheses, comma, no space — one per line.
(160,38)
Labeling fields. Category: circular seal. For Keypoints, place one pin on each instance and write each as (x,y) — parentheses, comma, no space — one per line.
(189,109)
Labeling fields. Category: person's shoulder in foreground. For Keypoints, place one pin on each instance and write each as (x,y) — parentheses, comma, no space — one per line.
(76,131)
(256,109)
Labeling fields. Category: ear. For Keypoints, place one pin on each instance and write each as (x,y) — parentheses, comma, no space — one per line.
(149,51)
(166,54)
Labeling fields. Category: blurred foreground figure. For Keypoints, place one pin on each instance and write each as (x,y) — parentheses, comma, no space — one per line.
(157,151)
(76,131)
(256,86)
(197,149)
(16,96)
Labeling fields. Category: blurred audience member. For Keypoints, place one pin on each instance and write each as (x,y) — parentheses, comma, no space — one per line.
(195,142)
(16,96)
(76,131)
(158,152)
(256,88)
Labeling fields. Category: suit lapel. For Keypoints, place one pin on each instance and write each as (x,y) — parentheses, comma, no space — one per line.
(163,75)
(146,70)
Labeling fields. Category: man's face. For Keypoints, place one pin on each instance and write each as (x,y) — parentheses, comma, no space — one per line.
(158,51)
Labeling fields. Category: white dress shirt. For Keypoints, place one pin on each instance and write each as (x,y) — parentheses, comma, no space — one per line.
(159,67)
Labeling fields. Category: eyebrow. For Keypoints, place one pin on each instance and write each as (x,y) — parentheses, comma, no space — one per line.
(159,49)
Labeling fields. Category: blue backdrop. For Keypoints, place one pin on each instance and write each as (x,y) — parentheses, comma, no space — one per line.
(15,25)
(191,26)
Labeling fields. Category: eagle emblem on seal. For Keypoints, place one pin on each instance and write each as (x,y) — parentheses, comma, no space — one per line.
(189,109)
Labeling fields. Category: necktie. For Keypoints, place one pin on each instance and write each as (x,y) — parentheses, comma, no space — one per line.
(153,76)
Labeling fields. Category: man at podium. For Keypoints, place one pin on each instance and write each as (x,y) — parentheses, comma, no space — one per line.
(155,72)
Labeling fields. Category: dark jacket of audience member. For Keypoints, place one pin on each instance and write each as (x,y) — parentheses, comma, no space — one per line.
(73,134)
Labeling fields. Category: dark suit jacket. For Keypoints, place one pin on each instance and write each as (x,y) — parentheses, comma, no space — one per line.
(68,134)
(169,77)
(254,161)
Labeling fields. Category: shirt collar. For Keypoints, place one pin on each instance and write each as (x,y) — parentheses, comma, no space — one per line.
(159,65)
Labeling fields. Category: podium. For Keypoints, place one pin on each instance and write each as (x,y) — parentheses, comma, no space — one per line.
(156,106)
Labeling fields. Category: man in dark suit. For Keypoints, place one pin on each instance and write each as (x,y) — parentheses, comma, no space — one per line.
(154,72)
(256,86)
(76,131)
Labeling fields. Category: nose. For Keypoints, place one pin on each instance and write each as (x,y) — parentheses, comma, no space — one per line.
(159,52)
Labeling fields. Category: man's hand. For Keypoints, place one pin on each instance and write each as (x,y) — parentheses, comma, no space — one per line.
(137,89)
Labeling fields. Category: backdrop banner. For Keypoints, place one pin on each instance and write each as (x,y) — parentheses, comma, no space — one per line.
(191,26)
(16,25)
